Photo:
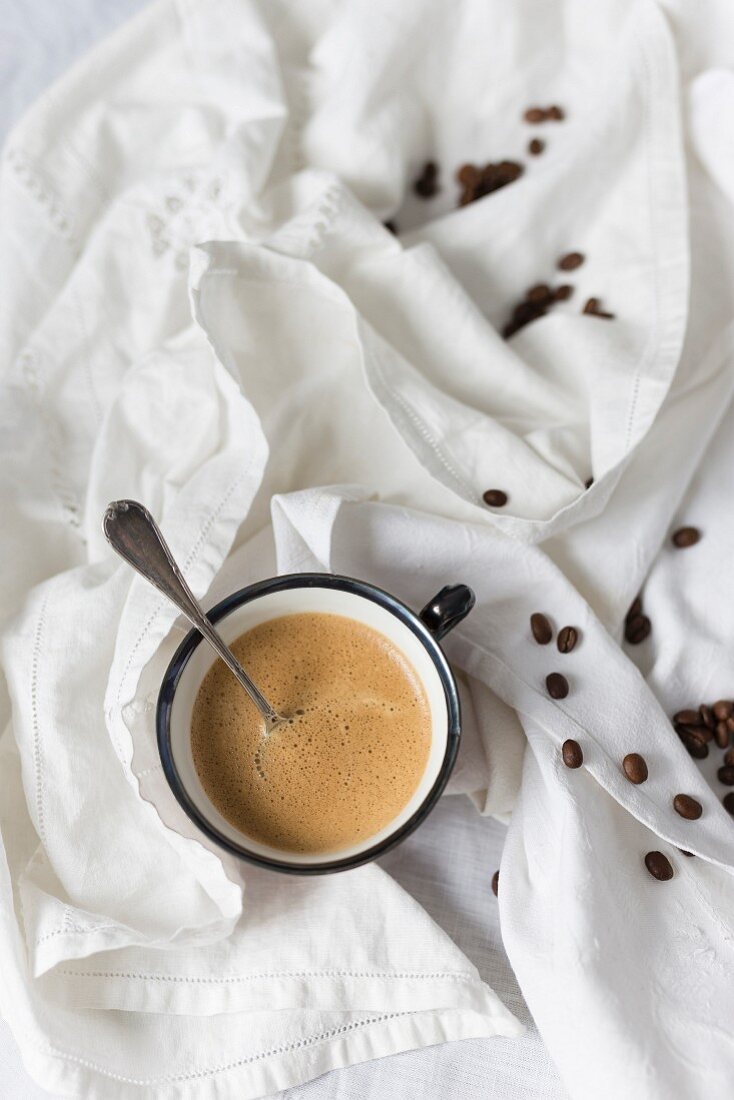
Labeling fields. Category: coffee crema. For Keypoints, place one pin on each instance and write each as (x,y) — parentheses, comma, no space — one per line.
(352,753)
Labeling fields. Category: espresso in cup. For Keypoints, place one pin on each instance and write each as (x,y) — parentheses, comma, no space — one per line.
(349,758)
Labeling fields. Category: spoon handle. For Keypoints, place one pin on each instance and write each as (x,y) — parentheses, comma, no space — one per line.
(134,534)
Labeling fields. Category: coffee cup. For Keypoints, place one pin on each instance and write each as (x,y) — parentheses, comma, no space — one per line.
(417,636)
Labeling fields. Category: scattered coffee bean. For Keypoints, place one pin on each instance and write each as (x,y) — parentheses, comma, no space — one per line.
(495,883)
(571,261)
(567,638)
(557,686)
(699,733)
(476,182)
(728,801)
(723,709)
(685,536)
(637,629)
(572,755)
(588,483)
(495,498)
(726,775)
(534,114)
(659,866)
(722,735)
(391,226)
(707,716)
(699,750)
(541,292)
(541,628)
(536,147)
(563,292)
(536,303)
(592,307)
(729,756)
(683,852)
(635,767)
(544,114)
(688,717)
(556,114)
(687,807)
(426,185)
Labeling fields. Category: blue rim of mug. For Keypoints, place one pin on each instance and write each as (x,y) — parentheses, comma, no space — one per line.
(183,654)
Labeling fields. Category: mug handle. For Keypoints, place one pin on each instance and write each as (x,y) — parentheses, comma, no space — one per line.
(447,608)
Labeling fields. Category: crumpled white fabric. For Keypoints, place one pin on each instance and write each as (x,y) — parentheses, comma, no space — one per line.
(202,310)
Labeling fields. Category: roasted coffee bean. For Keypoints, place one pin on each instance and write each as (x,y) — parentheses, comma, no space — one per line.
(688,717)
(572,755)
(729,756)
(468,174)
(495,498)
(687,807)
(707,716)
(588,483)
(728,801)
(699,733)
(541,628)
(659,866)
(726,775)
(555,113)
(563,292)
(730,724)
(699,750)
(635,767)
(591,305)
(722,735)
(683,852)
(487,179)
(534,114)
(570,261)
(426,185)
(685,536)
(391,226)
(567,638)
(557,685)
(536,147)
(637,629)
(722,710)
(541,292)
(496,883)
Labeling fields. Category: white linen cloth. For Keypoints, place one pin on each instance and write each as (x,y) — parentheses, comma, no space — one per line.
(202,310)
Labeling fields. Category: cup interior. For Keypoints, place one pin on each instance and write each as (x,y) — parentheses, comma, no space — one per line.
(193,661)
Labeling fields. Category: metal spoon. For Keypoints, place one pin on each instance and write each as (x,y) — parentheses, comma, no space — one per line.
(134,534)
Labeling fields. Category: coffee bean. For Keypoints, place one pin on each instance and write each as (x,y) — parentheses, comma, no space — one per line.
(730,724)
(591,305)
(557,685)
(729,756)
(468,174)
(541,292)
(707,716)
(659,866)
(635,767)
(699,750)
(426,185)
(536,147)
(698,733)
(563,293)
(541,628)
(722,710)
(534,114)
(571,261)
(722,735)
(687,807)
(728,801)
(637,629)
(487,179)
(588,483)
(635,609)
(495,498)
(688,717)
(726,775)
(683,852)
(572,755)
(495,883)
(685,536)
(555,113)
(567,638)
